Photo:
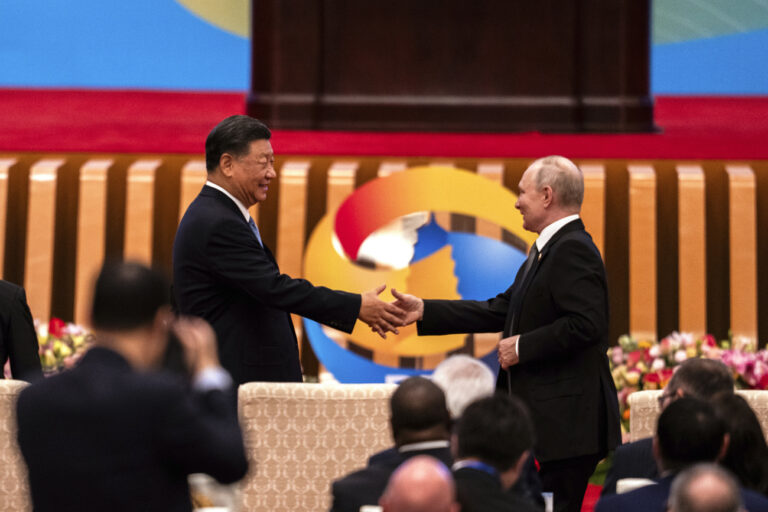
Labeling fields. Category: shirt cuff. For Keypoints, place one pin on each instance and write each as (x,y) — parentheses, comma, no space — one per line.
(214,377)
(517,347)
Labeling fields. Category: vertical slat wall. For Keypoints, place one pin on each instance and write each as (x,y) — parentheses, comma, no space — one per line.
(117,210)
(743,246)
(91,231)
(40,234)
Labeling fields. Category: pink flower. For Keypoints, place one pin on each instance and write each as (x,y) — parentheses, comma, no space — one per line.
(617,356)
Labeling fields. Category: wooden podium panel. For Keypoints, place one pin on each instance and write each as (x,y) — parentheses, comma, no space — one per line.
(451,65)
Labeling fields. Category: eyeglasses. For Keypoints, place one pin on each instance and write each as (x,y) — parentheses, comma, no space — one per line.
(663,398)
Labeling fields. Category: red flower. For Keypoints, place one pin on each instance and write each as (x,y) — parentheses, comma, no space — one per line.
(56,327)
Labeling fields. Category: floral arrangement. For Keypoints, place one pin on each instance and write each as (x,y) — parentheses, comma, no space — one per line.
(645,364)
(61,344)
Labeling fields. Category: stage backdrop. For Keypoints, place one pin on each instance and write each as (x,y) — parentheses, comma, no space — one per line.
(699,47)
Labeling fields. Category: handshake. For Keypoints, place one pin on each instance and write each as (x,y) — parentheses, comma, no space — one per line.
(383,317)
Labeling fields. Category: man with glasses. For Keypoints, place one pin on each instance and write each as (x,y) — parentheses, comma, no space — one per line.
(697,378)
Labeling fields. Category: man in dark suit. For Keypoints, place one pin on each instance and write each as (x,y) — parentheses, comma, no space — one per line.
(697,378)
(18,339)
(494,438)
(421,425)
(688,432)
(115,434)
(225,274)
(554,320)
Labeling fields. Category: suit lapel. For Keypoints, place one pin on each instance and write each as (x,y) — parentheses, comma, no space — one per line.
(515,305)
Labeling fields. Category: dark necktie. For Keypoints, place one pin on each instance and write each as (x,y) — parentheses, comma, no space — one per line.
(255,230)
(533,254)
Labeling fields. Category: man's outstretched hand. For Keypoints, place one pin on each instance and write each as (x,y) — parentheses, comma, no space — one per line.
(381,316)
(411,305)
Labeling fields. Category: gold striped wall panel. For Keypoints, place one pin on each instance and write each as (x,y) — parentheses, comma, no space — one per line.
(41,222)
(5,164)
(139,202)
(593,208)
(692,249)
(118,216)
(91,230)
(743,248)
(642,251)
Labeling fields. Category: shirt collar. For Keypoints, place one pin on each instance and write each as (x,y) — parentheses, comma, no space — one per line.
(425,445)
(240,206)
(548,232)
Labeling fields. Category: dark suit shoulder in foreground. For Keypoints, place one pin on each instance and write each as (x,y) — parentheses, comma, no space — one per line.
(478,491)
(105,437)
(631,460)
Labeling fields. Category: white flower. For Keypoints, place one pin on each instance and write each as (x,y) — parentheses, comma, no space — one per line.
(658,364)
(680,356)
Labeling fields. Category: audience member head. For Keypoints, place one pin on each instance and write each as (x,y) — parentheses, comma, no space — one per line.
(550,189)
(747,453)
(688,431)
(699,378)
(130,311)
(464,379)
(496,430)
(705,488)
(421,484)
(418,412)
(233,135)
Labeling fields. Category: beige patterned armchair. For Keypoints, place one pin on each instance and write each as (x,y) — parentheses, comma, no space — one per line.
(14,489)
(300,437)
(644,407)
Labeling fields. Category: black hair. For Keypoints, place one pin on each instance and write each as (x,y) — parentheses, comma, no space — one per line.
(689,431)
(747,455)
(495,429)
(233,135)
(128,295)
(418,404)
(702,378)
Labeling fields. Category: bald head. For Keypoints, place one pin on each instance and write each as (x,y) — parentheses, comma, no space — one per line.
(705,488)
(421,484)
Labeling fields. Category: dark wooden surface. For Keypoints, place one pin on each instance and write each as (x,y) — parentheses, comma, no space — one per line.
(452,65)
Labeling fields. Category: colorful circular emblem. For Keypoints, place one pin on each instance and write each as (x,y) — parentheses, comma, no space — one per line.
(445,265)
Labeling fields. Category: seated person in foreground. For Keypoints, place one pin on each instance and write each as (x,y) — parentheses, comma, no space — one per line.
(705,488)
(494,438)
(18,339)
(420,425)
(688,432)
(747,454)
(116,434)
(464,379)
(420,484)
(698,378)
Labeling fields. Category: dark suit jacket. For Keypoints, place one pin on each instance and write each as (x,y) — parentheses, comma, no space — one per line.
(104,437)
(365,486)
(478,491)
(632,460)
(18,340)
(528,486)
(561,313)
(223,275)
(653,498)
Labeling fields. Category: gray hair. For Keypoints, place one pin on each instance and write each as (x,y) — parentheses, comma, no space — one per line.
(563,176)
(717,490)
(464,379)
